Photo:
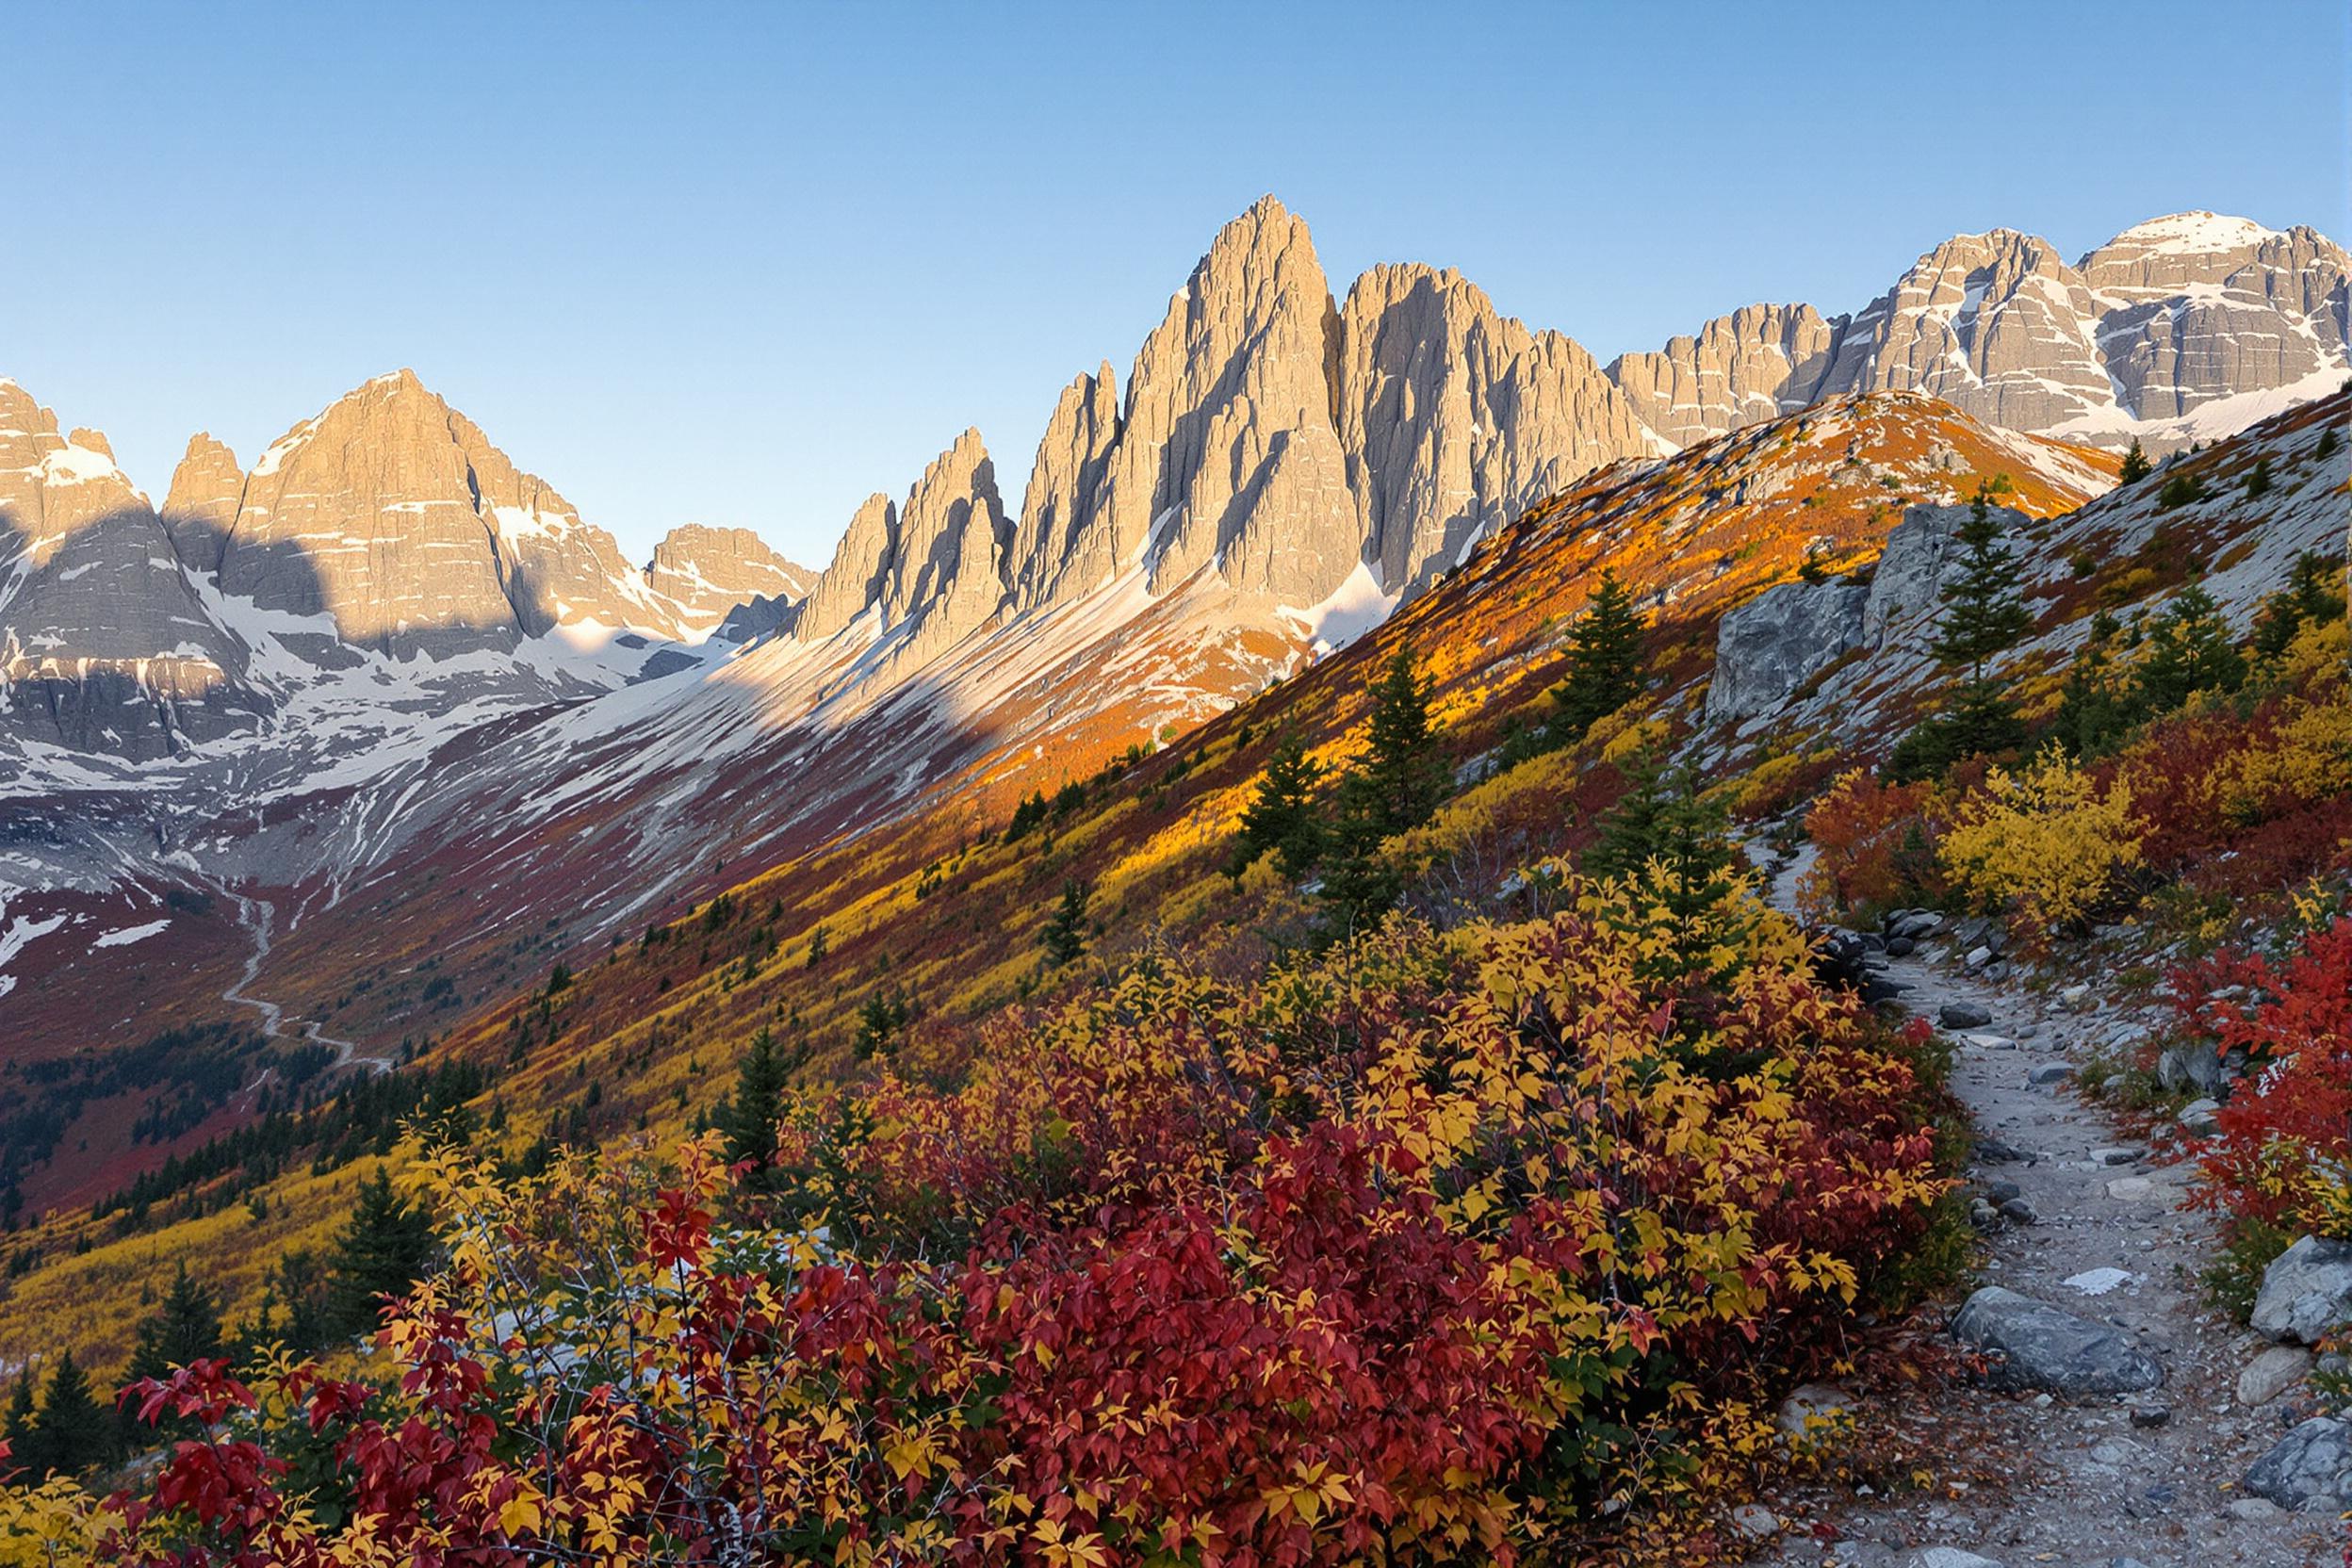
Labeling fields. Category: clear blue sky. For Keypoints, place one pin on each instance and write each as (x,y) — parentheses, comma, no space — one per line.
(746,265)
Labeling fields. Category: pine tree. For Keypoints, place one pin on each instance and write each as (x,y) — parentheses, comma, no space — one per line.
(2094,706)
(1982,617)
(2135,464)
(878,1023)
(2310,599)
(74,1431)
(2257,480)
(1283,820)
(1065,935)
(1664,828)
(185,1328)
(384,1248)
(1405,775)
(20,1428)
(747,1122)
(1632,830)
(2189,650)
(1360,882)
(1603,662)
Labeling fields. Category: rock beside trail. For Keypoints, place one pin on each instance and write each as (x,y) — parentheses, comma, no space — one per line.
(2201,1068)
(2037,1346)
(2271,1374)
(1948,1557)
(2315,1461)
(2307,1291)
(1963,1015)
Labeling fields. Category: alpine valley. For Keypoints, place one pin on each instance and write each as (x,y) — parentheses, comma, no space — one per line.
(367,785)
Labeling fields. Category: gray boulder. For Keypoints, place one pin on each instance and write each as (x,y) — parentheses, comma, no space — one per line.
(2037,1346)
(2307,1291)
(1776,641)
(2183,1068)
(1963,1015)
(2312,1461)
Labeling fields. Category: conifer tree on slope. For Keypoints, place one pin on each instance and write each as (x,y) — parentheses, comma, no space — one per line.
(1603,662)
(2189,650)
(1395,789)
(1283,820)
(2135,464)
(18,1424)
(1065,935)
(74,1430)
(747,1122)
(184,1329)
(1405,775)
(1982,617)
(384,1248)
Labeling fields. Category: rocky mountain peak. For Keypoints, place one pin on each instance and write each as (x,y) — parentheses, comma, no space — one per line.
(104,645)
(1757,363)
(710,572)
(201,506)
(1455,418)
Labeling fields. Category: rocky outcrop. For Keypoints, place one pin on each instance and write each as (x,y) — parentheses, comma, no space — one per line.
(853,582)
(1773,645)
(947,577)
(1758,363)
(1281,441)
(104,645)
(367,514)
(393,514)
(2307,1292)
(2036,1346)
(709,573)
(1228,457)
(1455,419)
(1908,582)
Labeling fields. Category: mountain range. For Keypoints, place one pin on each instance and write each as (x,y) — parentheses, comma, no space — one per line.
(287,723)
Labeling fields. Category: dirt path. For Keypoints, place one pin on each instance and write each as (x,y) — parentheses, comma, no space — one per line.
(2109,1241)
(258,916)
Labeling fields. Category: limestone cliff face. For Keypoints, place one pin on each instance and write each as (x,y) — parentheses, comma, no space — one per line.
(1758,363)
(947,578)
(1051,547)
(1228,456)
(1282,442)
(711,572)
(393,514)
(2130,342)
(2197,306)
(370,513)
(854,579)
(929,571)
(104,645)
(1997,324)
(1455,419)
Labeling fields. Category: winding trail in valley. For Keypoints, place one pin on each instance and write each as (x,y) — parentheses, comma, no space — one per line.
(258,915)
(2088,1484)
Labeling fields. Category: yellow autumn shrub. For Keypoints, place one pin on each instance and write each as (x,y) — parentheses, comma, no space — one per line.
(2046,843)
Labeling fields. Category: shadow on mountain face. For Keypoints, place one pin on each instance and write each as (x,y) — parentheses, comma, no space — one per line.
(104,649)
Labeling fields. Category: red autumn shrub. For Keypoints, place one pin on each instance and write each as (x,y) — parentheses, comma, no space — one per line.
(2294,1019)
